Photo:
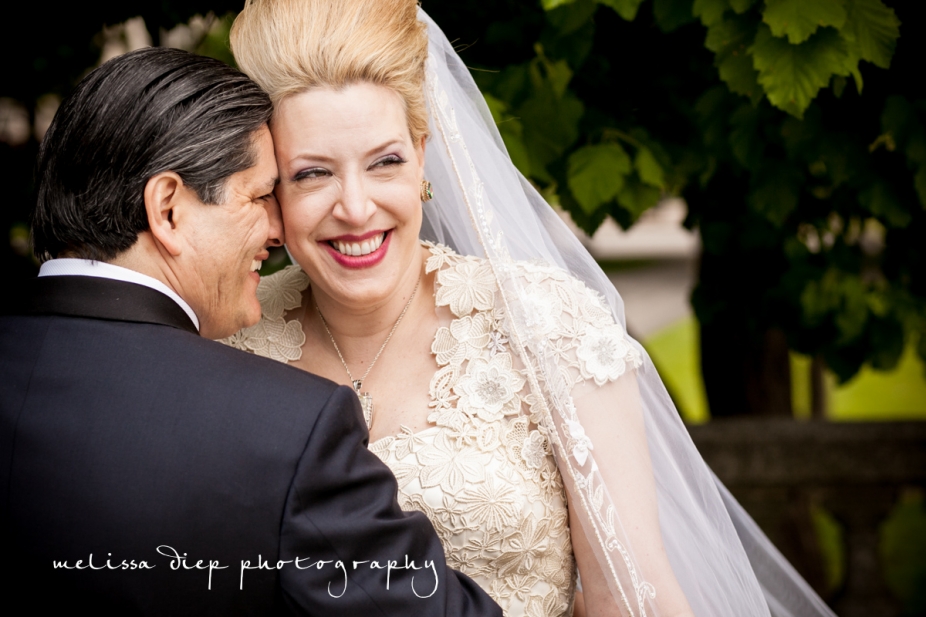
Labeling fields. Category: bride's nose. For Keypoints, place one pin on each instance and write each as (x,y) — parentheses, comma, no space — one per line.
(355,205)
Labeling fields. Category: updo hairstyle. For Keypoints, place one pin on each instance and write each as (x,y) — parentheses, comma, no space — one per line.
(291,46)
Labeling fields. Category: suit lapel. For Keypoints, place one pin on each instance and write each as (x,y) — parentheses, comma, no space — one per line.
(101,298)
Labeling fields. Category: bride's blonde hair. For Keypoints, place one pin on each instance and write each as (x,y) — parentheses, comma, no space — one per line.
(290,46)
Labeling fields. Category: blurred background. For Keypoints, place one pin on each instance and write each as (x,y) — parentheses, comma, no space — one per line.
(752,176)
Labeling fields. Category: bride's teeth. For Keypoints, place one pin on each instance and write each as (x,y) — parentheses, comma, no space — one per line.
(255,265)
(357,249)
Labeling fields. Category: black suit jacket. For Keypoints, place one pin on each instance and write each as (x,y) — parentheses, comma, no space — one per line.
(125,435)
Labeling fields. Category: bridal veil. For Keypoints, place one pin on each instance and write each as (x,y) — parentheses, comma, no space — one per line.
(614,441)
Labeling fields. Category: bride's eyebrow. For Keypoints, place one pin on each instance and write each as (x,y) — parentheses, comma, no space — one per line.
(387,144)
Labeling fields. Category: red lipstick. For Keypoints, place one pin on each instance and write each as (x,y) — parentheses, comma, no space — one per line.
(358,261)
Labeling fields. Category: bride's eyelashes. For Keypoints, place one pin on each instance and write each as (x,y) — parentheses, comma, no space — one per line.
(388,161)
(319,172)
(314,172)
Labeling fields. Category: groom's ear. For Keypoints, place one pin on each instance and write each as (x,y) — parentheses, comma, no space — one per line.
(164,195)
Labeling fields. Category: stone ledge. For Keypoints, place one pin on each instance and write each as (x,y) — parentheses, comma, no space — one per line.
(773,452)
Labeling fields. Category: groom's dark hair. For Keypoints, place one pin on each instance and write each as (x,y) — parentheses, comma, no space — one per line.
(140,114)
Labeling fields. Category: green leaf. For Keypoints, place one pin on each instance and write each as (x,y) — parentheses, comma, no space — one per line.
(745,141)
(775,194)
(649,169)
(596,174)
(879,199)
(872,30)
(851,319)
(887,338)
(741,6)
(798,19)
(625,8)
(551,125)
(512,132)
(568,18)
(792,75)
(637,198)
(545,71)
(919,182)
(672,14)
(549,5)
(709,11)
(897,119)
(496,106)
(730,39)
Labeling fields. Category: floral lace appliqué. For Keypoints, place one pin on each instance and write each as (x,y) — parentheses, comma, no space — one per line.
(484,472)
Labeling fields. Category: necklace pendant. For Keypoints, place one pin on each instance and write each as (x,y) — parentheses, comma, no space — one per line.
(357,383)
(366,403)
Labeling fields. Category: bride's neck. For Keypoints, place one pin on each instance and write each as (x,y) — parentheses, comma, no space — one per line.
(359,328)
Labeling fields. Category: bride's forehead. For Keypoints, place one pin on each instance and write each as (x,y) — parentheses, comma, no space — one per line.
(359,113)
(367,99)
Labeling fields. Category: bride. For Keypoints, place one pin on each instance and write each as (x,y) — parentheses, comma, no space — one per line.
(486,346)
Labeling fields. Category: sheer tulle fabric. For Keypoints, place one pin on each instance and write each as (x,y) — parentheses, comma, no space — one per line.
(647,503)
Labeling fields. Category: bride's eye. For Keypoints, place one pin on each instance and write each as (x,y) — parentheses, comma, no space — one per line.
(315,172)
(387,161)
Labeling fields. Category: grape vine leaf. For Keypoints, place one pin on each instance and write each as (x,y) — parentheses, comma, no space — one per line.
(649,169)
(672,14)
(709,11)
(799,19)
(741,6)
(730,39)
(919,183)
(791,75)
(596,174)
(775,193)
(746,142)
(512,132)
(549,5)
(872,29)
(637,197)
(879,199)
(551,125)
(567,18)
(627,9)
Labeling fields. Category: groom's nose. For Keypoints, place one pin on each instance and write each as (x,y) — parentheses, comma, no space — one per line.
(275,232)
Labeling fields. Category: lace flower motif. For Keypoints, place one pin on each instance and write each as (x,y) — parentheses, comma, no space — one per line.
(578,442)
(606,354)
(534,450)
(466,286)
(463,340)
(444,464)
(492,504)
(524,547)
(489,389)
(542,311)
(276,339)
(440,256)
(281,292)
(497,342)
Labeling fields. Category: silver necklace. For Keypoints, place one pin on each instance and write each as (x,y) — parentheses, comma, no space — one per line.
(366,400)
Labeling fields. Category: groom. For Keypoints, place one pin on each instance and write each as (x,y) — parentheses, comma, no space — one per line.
(145,468)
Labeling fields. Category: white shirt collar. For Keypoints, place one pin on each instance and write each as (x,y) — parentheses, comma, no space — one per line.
(87,267)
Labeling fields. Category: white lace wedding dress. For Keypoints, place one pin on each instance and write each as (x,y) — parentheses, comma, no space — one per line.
(483,472)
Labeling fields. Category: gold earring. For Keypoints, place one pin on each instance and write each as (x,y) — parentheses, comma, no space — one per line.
(426,193)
